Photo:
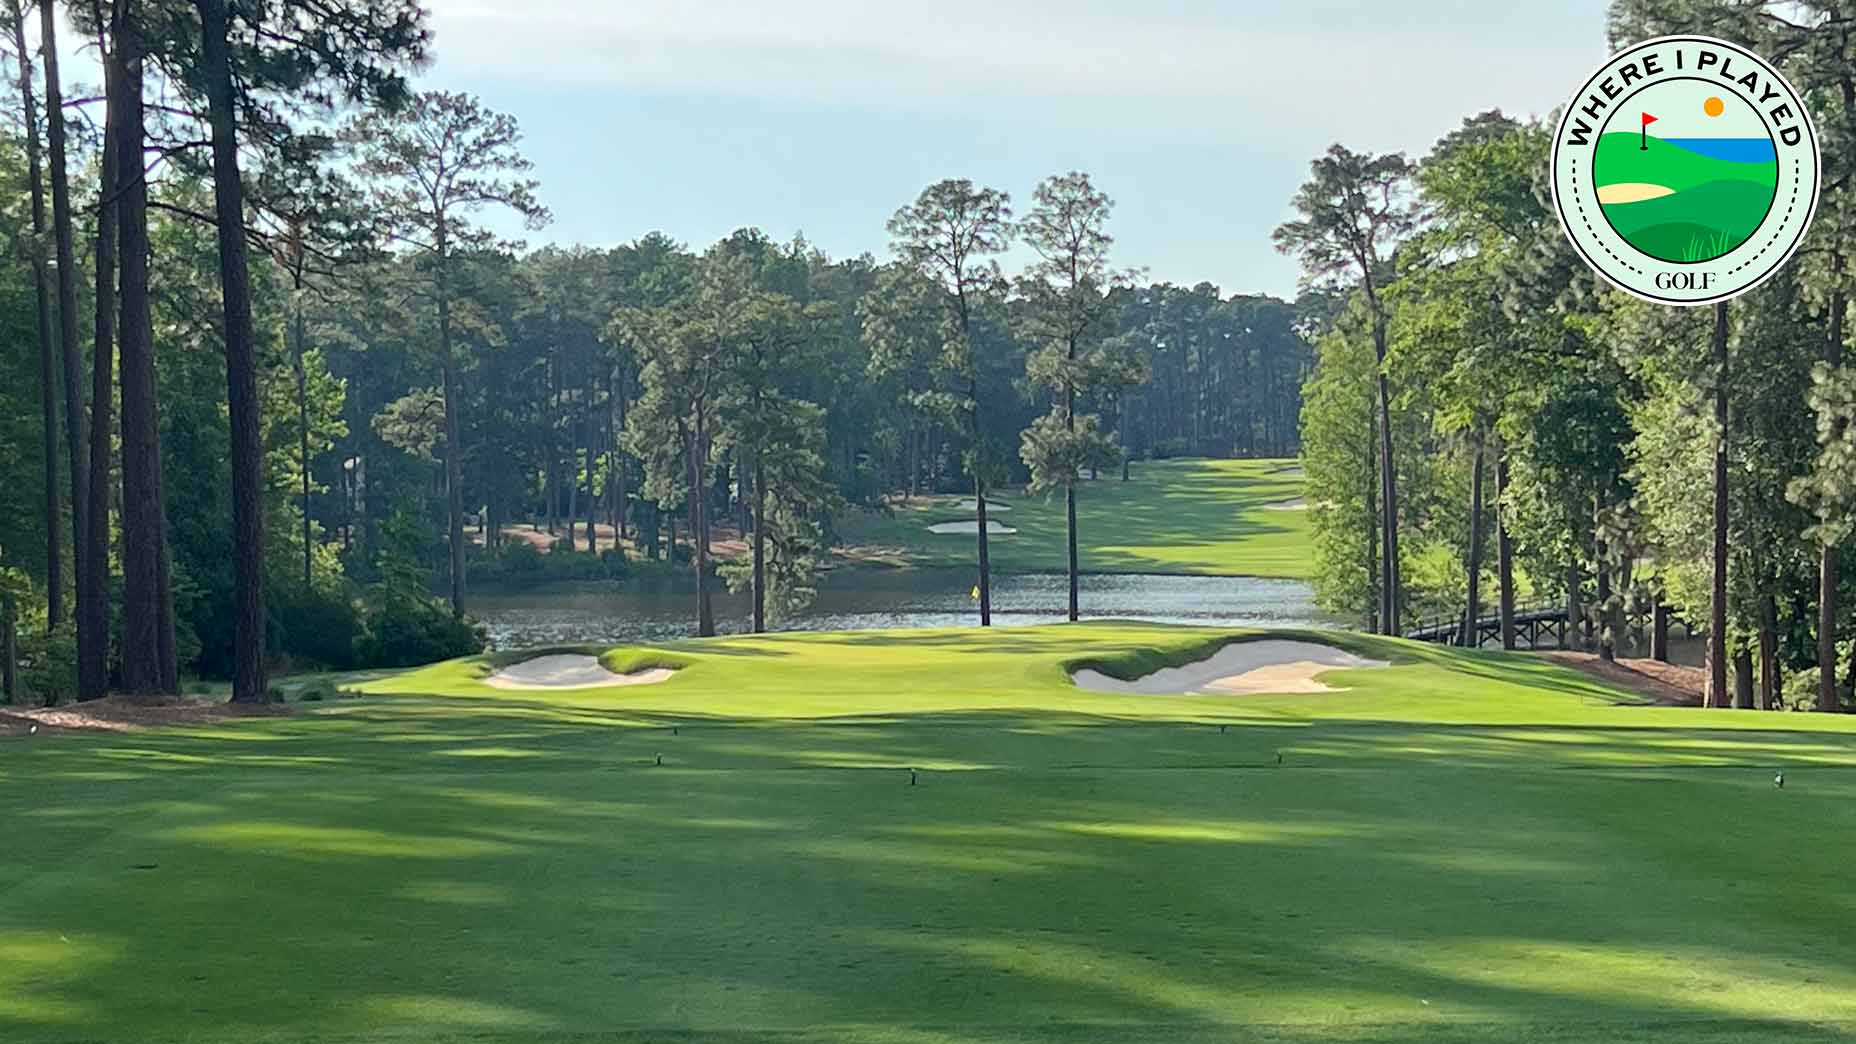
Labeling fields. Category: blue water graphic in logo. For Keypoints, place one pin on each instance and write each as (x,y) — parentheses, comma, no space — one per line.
(1734,150)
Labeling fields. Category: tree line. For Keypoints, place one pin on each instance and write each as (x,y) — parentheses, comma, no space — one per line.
(270,380)
(1486,414)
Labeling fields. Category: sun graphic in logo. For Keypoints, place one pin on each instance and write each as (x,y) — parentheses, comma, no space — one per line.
(1685,188)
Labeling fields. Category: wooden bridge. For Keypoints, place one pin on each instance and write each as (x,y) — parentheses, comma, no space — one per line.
(1534,625)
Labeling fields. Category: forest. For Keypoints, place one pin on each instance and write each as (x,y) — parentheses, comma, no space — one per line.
(1511,430)
(295,336)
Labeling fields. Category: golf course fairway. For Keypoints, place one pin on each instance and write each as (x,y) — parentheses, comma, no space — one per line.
(934,836)
(1181,517)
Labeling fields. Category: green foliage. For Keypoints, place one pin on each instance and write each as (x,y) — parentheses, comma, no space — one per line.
(48,661)
(520,564)
(314,626)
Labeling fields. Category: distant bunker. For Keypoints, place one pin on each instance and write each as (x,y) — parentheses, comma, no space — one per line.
(570,671)
(972,525)
(1240,668)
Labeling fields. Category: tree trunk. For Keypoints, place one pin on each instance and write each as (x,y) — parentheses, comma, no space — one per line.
(760,542)
(571,472)
(588,451)
(1575,615)
(93,656)
(979,498)
(1768,653)
(551,481)
(454,444)
(70,351)
(150,668)
(1388,475)
(1374,529)
(1607,634)
(1659,631)
(1827,553)
(1472,618)
(1717,607)
(297,348)
(1069,488)
(247,450)
(9,648)
(1743,678)
(1504,548)
(41,288)
(699,526)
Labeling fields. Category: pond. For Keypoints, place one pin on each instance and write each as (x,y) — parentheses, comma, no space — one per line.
(863,599)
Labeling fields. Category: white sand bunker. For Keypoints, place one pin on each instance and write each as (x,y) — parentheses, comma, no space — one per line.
(971,525)
(970,504)
(1273,665)
(565,671)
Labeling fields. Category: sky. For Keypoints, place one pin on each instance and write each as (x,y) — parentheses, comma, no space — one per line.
(821,117)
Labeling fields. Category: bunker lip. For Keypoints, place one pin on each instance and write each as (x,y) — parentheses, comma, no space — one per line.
(1270,665)
(570,671)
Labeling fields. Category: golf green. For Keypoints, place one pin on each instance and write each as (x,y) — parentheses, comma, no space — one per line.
(1461,846)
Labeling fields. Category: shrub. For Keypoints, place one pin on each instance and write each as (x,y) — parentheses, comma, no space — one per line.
(1798,692)
(48,663)
(521,564)
(314,626)
(1167,449)
(406,629)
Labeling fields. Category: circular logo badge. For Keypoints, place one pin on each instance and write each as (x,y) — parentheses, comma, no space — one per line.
(1685,170)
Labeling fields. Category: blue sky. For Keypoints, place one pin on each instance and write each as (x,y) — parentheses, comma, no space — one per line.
(823,116)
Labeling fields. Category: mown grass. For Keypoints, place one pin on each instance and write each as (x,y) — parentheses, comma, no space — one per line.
(1200,517)
(1460,847)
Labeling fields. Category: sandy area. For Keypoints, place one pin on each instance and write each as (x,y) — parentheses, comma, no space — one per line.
(1632,192)
(1669,684)
(971,525)
(1271,665)
(566,671)
(119,714)
(970,504)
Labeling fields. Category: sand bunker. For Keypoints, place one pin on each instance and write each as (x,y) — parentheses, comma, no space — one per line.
(1273,665)
(971,525)
(564,671)
(1632,192)
(970,504)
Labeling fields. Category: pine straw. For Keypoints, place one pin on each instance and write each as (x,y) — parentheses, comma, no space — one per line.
(121,714)
(1668,684)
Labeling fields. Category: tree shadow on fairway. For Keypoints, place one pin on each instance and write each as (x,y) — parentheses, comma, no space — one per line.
(397,870)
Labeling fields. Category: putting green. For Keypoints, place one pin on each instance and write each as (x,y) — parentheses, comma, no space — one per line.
(1460,847)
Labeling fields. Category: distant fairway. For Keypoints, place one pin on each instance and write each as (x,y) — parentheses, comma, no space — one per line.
(1201,517)
(1463,848)
(1710,206)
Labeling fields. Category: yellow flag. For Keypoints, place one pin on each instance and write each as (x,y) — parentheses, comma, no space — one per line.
(976,593)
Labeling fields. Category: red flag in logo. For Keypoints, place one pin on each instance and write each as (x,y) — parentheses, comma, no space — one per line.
(1648,119)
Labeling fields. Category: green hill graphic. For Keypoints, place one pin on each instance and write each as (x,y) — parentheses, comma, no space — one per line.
(1679,205)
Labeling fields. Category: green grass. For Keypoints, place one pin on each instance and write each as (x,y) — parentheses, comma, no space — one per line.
(1715,206)
(1463,847)
(1201,517)
(1618,159)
